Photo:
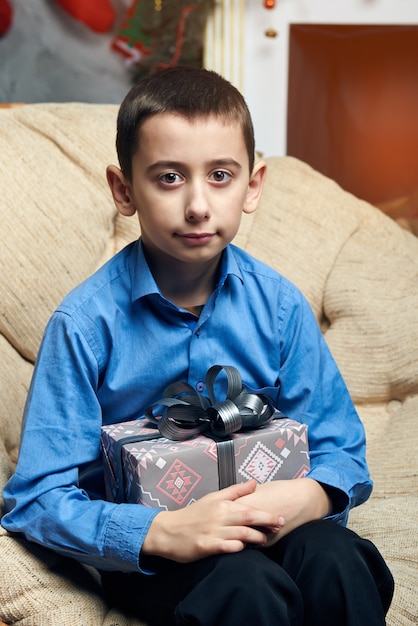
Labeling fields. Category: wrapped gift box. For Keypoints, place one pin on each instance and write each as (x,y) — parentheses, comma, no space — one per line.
(165,474)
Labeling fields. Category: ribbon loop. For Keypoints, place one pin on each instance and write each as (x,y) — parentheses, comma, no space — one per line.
(183,413)
(225,418)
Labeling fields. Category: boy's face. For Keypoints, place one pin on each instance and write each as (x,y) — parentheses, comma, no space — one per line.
(190,184)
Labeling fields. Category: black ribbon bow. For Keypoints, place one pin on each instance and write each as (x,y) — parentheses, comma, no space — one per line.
(183,412)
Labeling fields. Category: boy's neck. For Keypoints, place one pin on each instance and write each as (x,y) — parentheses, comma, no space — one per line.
(185,284)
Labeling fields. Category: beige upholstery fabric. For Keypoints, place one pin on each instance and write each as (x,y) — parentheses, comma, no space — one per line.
(358,269)
(49,203)
(49,591)
(42,580)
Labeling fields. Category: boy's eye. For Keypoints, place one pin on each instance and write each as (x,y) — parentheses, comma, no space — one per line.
(220,176)
(171,178)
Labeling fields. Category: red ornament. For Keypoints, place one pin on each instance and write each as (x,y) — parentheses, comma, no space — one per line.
(98,15)
(269,4)
(6,16)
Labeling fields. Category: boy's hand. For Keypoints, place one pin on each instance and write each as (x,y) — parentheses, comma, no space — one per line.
(298,501)
(218,523)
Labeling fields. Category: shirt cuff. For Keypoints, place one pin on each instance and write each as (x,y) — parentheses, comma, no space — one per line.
(125,534)
(339,499)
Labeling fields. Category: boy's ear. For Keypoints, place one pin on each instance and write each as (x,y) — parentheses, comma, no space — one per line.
(255,187)
(120,189)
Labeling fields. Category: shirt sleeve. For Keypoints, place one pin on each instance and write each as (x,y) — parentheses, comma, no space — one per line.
(312,390)
(61,434)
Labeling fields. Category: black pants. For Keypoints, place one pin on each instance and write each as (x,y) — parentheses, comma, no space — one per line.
(321,574)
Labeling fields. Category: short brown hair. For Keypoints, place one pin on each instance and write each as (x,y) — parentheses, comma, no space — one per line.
(188,91)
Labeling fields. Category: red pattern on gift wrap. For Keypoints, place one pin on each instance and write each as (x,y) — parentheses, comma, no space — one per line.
(179,482)
(301,473)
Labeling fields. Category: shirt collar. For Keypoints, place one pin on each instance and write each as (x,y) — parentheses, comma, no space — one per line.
(143,283)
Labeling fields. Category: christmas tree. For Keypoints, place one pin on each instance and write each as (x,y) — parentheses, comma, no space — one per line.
(163,33)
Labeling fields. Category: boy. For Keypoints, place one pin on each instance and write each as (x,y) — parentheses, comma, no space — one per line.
(163,310)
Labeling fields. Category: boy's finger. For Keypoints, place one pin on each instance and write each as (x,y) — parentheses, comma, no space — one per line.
(237,491)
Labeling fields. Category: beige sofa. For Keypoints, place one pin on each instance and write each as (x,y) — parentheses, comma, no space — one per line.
(357,267)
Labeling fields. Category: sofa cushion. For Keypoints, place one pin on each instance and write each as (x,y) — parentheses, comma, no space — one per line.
(60,214)
(392,444)
(46,589)
(15,374)
(391,525)
(49,590)
(370,300)
(389,518)
(356,266)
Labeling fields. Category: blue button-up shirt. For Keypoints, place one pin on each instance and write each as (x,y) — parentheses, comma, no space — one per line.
(108,352)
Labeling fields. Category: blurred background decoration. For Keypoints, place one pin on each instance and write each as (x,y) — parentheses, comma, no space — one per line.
(93,50)
(162,33)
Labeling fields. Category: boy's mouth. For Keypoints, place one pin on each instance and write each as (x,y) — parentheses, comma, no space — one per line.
(196,239)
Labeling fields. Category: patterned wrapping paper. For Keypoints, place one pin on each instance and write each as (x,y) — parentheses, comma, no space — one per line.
(168,475)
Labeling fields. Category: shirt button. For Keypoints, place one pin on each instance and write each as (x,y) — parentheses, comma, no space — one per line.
(197,332)
(200,386)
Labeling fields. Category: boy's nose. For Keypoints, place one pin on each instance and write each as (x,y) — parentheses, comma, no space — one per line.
(197,207)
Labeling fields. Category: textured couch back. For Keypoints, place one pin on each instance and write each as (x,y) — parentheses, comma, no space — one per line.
(358,269)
